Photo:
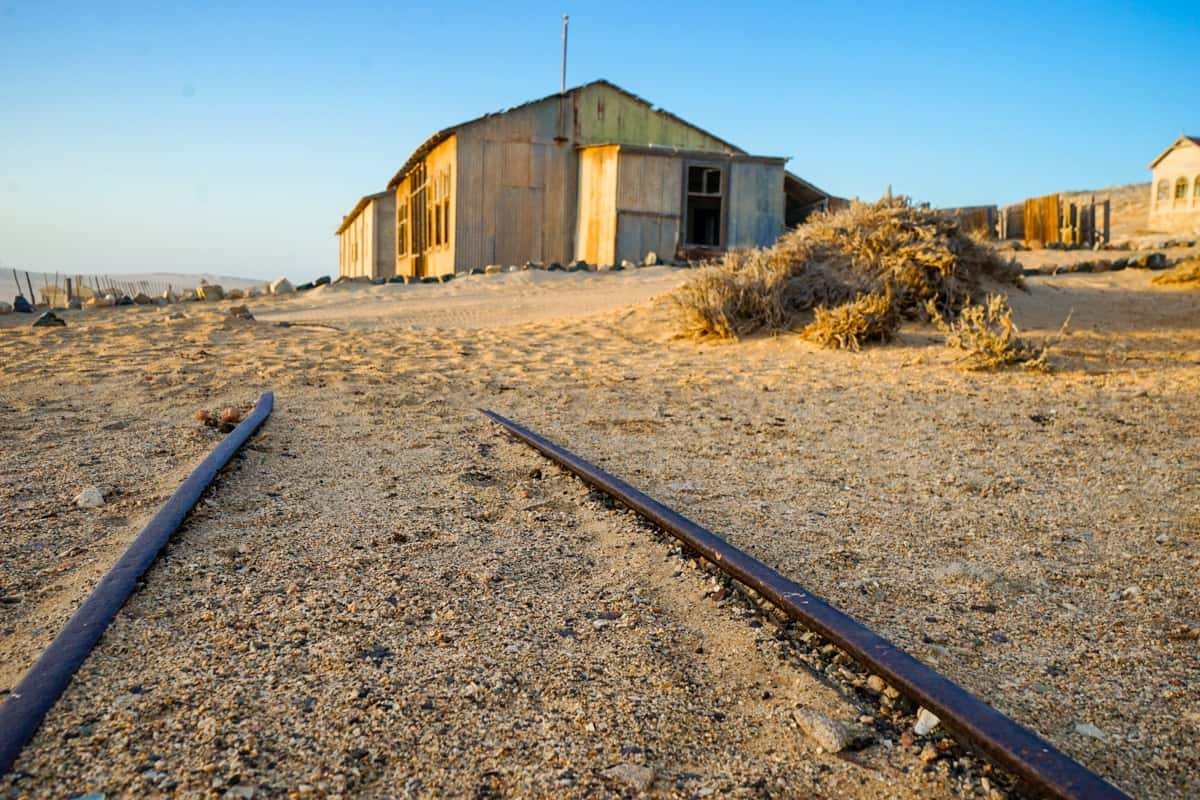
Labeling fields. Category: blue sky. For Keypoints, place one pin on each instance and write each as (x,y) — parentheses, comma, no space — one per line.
(231,137)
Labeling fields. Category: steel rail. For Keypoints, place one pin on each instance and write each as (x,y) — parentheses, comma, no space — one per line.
(25,708)
(1007,744)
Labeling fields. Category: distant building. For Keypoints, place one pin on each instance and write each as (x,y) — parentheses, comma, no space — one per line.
(367,238)
(1175,188)
(596,174)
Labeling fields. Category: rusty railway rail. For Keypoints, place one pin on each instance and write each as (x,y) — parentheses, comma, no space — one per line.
(1031,759)
(25,708)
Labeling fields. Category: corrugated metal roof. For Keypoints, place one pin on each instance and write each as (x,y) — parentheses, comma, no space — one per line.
(445,133)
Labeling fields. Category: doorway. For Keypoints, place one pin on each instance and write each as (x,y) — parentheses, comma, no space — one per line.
(704,206)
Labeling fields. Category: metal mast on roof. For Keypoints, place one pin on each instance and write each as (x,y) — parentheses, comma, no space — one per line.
(562,83)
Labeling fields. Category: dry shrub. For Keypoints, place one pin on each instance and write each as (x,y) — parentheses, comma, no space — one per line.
(1185,274)
(868,318)
(886,249)
(989,336)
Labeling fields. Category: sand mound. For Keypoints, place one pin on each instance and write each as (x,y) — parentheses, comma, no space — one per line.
(1186,274)
(887,249)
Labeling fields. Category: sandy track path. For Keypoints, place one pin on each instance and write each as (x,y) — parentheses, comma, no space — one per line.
(372,609)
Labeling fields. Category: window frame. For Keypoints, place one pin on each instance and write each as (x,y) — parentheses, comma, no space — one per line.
(723,168)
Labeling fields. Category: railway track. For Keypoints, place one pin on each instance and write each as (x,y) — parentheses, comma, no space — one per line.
(33,697)
(1030,759)
(1033,762)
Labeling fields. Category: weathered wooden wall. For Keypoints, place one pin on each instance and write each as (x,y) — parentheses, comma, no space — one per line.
(595,232)
(649,194)
(384,220)
(604,115)
(1041,219)
(439,259)
(356,245)
(755,203)
(516,189)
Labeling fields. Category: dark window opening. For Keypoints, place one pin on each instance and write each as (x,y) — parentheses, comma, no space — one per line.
(703,211)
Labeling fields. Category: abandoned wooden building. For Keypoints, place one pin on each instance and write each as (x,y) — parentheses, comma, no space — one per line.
(1175,188)
(367,238)
(595,174)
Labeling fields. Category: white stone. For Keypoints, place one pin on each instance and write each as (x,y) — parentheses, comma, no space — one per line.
(282,286)
(493,269)
(926,721)
(651,259)
(89,498)
(1088,729)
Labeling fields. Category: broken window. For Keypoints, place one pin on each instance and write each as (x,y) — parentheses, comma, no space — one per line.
(1181,187)
(1164,190)
(702,212)
(401,228)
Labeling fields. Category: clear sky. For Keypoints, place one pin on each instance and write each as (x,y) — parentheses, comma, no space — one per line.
(232,137)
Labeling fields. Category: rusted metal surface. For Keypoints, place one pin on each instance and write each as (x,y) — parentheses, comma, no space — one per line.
(1029,758)
(23,711)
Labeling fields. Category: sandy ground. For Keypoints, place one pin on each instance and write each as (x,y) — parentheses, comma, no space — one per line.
(387,598)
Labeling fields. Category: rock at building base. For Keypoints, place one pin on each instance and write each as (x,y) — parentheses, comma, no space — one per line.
(378,281)
(21,305)
(49,320)
(397,279)
(282,286)
(430,279)
(555,267)
(627,264)
(321,281)
(210,292)
(651,259)
(124,300)
(534,265)
(493,269)
(578,265)
(304,287)
(142,299)
(5,308)
(75,304)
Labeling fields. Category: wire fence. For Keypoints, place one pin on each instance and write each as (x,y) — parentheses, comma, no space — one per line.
(57,289)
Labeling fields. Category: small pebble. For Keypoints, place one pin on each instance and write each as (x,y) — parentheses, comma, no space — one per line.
(89,498)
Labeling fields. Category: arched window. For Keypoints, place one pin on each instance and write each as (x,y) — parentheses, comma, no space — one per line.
(1164,191)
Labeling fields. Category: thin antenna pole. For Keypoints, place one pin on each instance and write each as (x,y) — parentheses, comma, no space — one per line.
(562,83)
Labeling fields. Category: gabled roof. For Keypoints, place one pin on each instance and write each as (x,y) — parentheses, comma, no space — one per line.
(1182,140)
(445,133)
(358,207)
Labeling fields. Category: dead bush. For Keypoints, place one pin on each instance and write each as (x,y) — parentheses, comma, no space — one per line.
(868,318)
(1186,273)
(886,249)
(989,337)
